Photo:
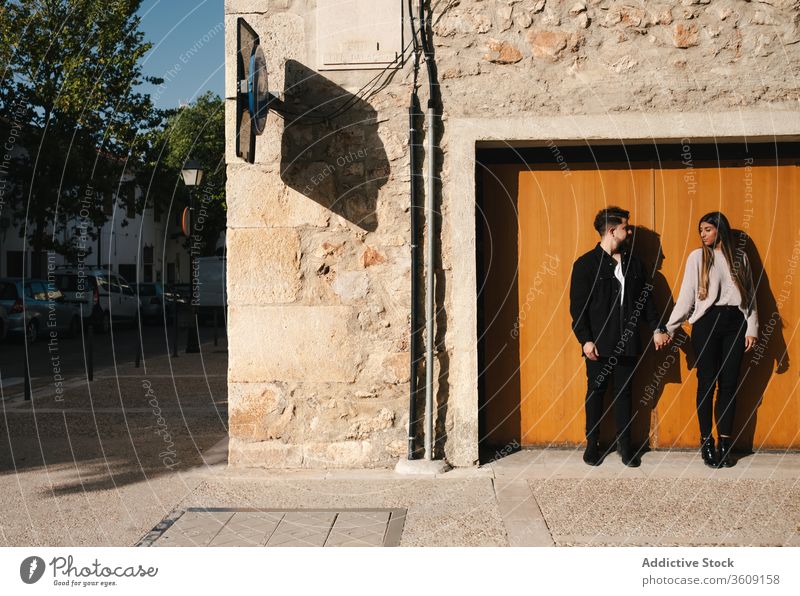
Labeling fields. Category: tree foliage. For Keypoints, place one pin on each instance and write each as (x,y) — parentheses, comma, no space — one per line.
(195,131)
(70,75)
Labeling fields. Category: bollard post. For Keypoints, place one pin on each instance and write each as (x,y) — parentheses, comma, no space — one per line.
(138,349)
(215,327)
(175,331)
(27,379)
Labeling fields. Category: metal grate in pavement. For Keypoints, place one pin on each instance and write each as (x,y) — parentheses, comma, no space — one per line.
(198,526)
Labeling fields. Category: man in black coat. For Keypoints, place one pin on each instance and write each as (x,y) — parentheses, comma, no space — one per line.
(609,296)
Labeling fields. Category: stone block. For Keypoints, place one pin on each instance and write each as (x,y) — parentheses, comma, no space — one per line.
(292,343)
(351,286)
(397,367)
(502,52)
(340,454)
(259,198)
(255,6)
(548,45)
(264,454)
(259,412)
(364,426)
(263,265)
(685,35)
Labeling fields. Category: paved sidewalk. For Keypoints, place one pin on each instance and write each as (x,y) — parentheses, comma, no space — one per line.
(139,449)
(546,498)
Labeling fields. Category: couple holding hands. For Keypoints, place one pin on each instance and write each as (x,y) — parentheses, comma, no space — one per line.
(610,295)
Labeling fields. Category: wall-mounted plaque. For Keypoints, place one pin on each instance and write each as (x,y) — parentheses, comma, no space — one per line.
(359,34)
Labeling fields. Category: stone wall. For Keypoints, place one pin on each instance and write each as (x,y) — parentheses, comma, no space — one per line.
(318,238)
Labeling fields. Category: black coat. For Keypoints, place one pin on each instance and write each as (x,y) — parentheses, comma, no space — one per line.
(594,303)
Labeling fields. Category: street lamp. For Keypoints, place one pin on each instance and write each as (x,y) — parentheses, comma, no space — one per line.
(192,173)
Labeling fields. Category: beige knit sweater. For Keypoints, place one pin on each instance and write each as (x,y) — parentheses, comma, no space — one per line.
(721,292)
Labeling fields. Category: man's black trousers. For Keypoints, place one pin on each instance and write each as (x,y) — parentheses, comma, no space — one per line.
(599,374)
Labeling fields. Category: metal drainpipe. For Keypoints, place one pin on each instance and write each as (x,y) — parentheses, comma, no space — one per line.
(413,116)
(430,290)
(431,224)
(414,343)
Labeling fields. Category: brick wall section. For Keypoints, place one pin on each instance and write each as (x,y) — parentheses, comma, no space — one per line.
(318,227)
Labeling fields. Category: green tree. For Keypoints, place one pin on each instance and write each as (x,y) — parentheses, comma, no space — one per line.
(194,131)
(70,73)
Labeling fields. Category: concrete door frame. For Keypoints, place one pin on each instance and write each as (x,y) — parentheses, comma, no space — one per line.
(462,138)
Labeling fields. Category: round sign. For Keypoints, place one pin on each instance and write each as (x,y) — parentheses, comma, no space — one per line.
(186,225)
(257,92)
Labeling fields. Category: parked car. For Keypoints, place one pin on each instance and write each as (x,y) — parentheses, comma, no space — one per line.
(34,308)
(155,301)
(3,323)
(97,288)
(212,294)
(182,293)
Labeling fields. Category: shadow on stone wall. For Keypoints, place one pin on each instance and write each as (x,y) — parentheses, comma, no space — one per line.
(330,148)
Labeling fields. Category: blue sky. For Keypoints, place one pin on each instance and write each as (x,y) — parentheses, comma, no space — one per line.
(188,40)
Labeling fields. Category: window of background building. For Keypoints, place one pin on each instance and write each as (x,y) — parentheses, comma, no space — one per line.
(129,194)
(15,263)
(128,271)
(147,263)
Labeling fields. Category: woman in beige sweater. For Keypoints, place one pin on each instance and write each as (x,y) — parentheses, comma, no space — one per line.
(718,298)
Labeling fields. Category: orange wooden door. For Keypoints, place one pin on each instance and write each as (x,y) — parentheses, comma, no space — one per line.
(556,214)
(545,375)
(761,200)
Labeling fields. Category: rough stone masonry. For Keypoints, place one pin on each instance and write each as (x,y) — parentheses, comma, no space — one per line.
(318,227)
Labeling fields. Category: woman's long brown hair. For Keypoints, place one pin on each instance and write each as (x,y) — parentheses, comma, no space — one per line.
(739,273)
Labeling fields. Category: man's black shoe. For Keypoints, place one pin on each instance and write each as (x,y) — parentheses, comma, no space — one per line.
(628,456)
(592,455)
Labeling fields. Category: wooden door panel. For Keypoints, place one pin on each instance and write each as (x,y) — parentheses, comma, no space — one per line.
(761,201)
(534,365)
(556,215)
(497,222)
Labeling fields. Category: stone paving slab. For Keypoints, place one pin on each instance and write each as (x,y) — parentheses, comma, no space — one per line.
(440,512)
(669,511)
(292,528)
(671,500)
(248,528)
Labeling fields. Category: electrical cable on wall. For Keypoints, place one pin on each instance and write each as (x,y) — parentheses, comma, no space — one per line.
(351,101)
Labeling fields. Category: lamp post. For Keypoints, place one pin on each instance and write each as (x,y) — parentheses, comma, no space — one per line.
(192,173)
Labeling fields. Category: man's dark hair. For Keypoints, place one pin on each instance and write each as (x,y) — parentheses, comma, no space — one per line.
(608,218)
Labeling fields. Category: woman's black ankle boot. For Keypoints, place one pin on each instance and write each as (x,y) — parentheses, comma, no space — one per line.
(725,458)
(708,452)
